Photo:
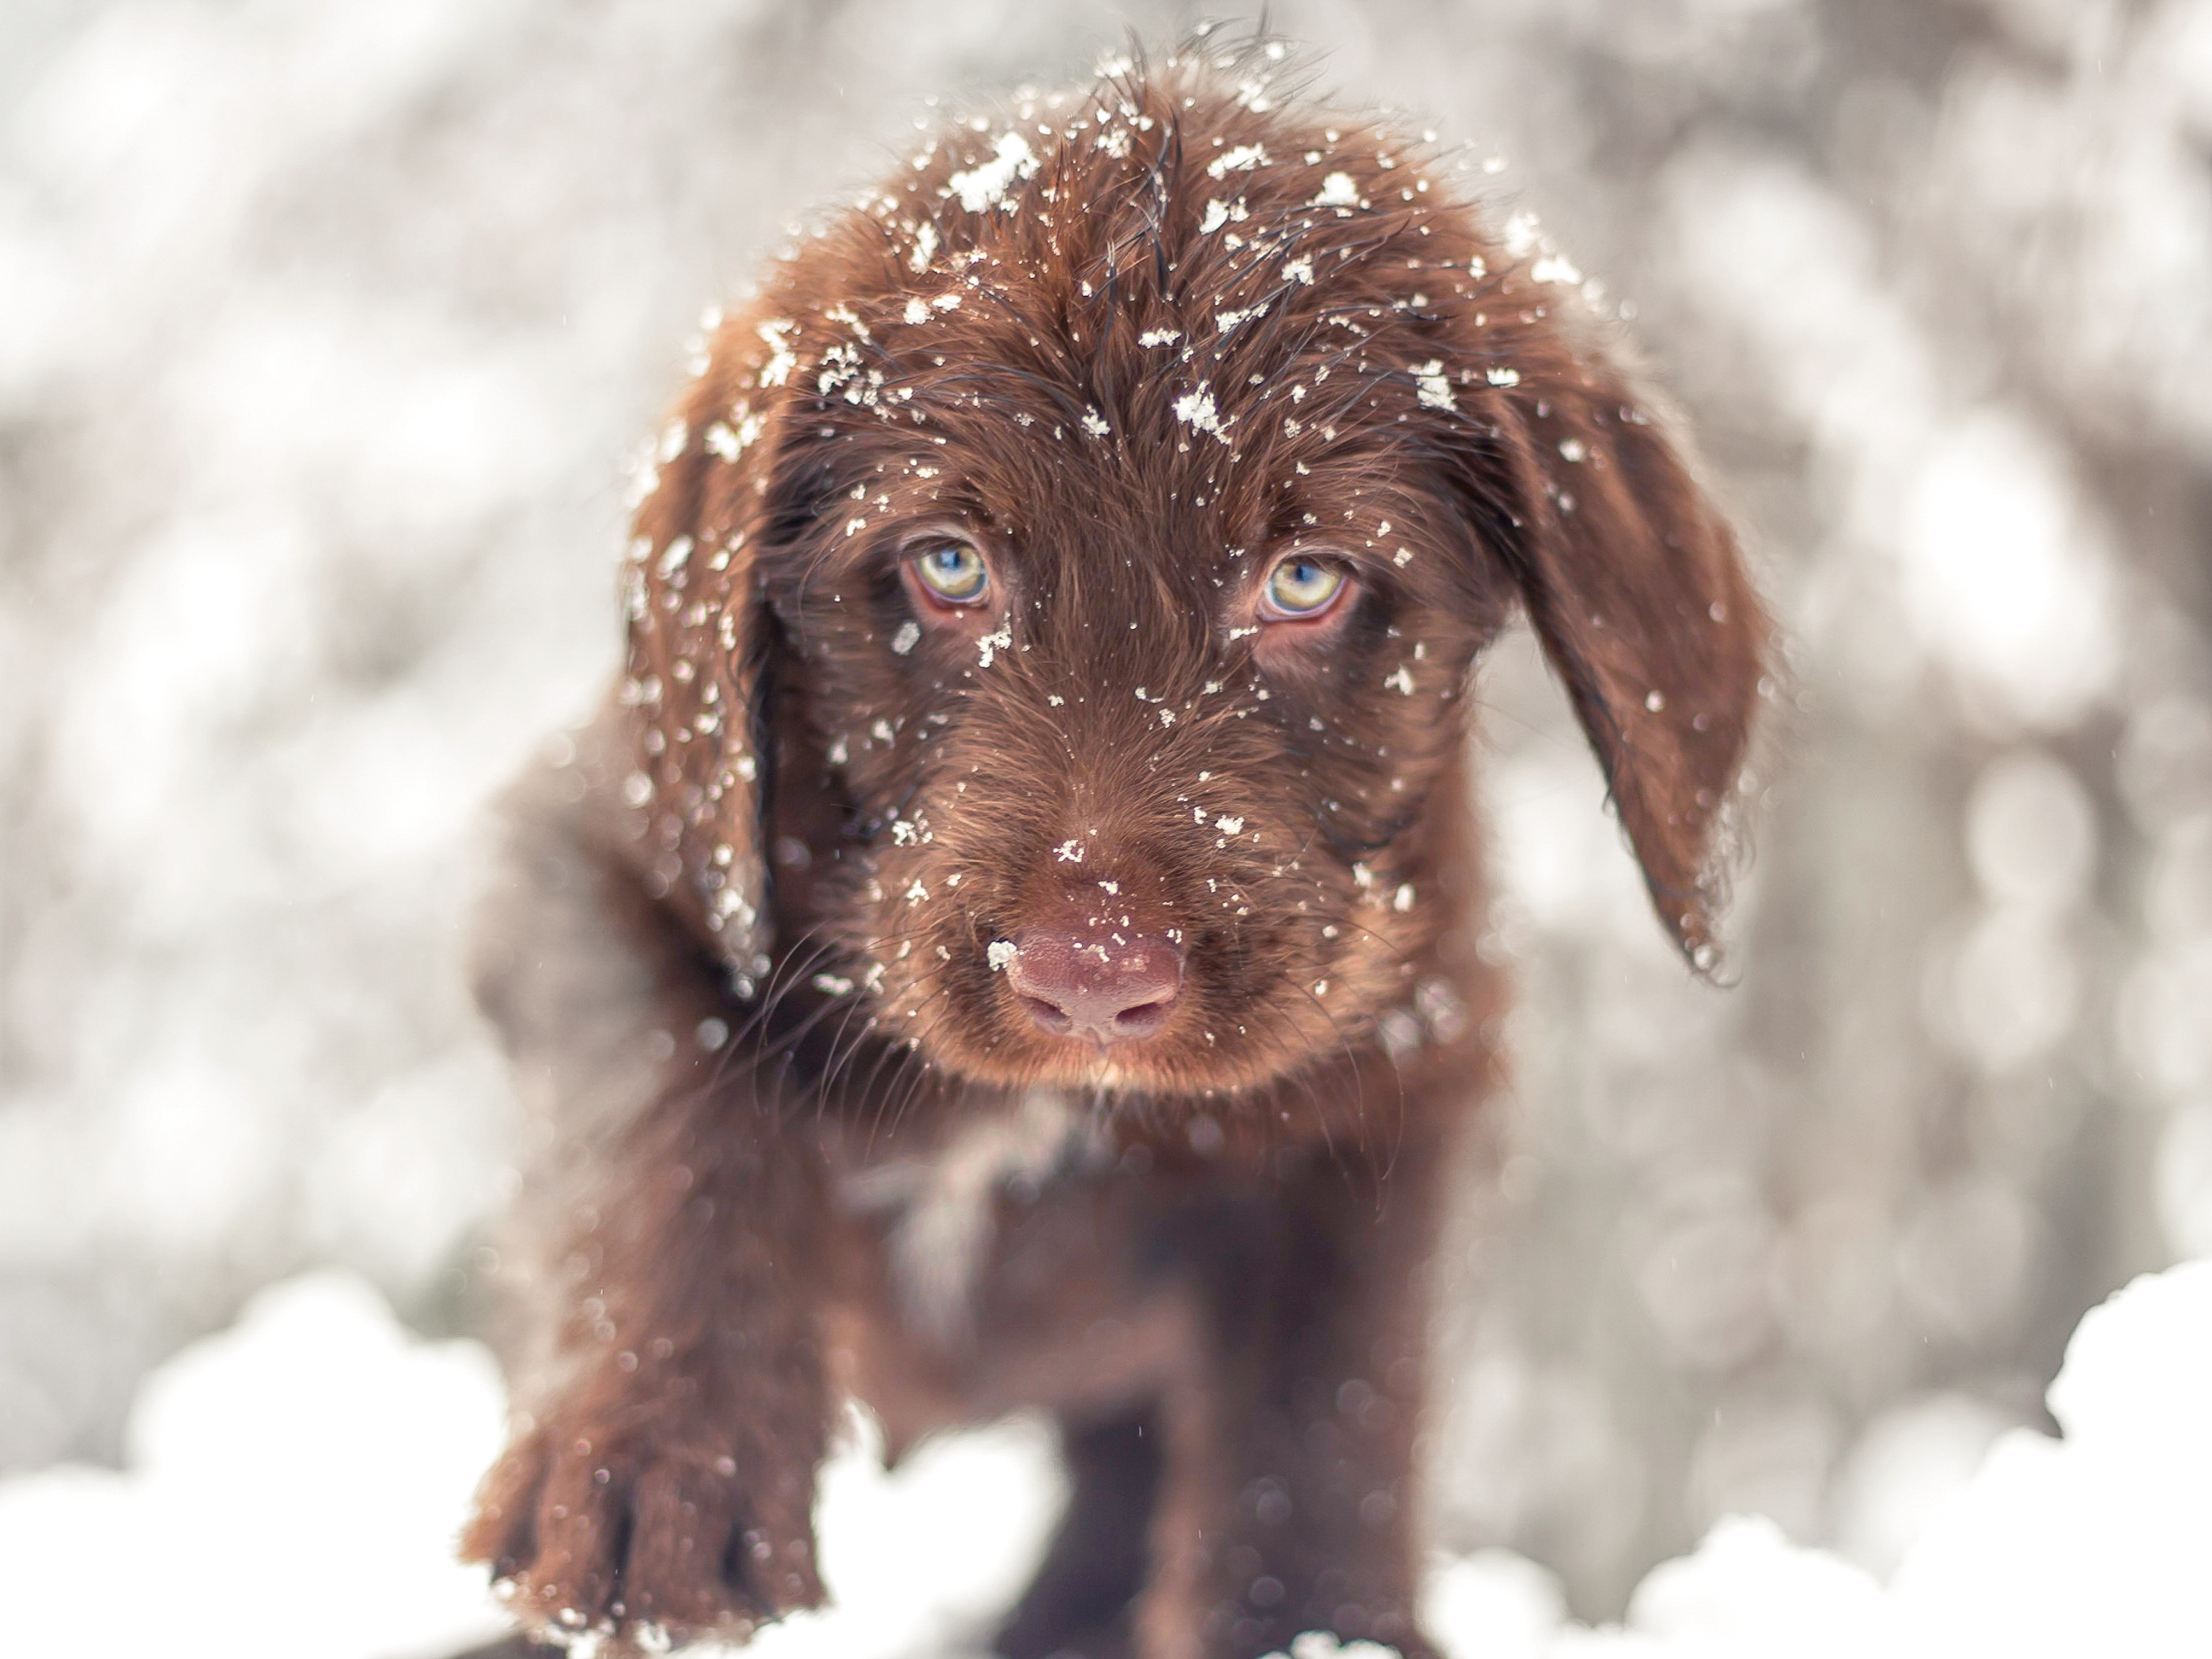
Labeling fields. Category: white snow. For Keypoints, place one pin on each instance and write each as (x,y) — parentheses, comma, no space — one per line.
(2094,1544)
(1196,410)
(782,359)
(1337,189)
(1241,158)
(985,185)
(294,1488)
(925,249)
(295,1485)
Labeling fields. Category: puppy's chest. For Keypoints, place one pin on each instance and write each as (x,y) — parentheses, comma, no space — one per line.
(937,1206)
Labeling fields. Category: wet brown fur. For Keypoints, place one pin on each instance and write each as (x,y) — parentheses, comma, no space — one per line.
(739,952)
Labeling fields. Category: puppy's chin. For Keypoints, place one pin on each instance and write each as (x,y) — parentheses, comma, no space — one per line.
(1175,1065)
(1128,1069)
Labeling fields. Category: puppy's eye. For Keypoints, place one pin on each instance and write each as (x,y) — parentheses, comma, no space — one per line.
(953,571)
(1301,587)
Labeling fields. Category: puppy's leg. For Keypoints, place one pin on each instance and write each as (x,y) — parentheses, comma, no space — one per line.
(1287,1498)
(1079,1600)
(671,1406)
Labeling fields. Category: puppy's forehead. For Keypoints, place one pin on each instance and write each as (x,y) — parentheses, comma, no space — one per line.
(1178,280)
(1142,344)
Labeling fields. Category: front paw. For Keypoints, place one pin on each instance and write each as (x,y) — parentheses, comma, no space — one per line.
(646,1537)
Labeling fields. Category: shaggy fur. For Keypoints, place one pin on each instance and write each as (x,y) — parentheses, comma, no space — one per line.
(801,953)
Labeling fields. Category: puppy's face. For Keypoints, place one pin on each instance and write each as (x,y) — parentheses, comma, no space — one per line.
(1117,505)
(1142,732)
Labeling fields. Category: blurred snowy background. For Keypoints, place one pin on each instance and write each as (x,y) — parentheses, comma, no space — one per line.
(326,328)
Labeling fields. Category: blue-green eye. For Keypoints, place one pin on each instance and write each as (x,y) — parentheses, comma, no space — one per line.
(1302,587)
(953,572)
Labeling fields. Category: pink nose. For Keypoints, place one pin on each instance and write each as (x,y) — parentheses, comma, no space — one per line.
(1098,989)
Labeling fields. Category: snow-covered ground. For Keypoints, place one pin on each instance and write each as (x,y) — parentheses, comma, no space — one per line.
(294,1485)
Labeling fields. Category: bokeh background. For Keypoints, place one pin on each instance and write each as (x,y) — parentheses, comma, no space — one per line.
(325,329)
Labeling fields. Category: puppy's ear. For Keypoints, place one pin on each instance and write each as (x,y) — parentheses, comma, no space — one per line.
(700,638)
(1633,581)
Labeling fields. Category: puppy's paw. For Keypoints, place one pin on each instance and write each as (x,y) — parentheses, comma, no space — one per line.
(645,1538)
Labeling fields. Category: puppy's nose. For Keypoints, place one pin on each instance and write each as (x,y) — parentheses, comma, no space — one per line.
(1098,990)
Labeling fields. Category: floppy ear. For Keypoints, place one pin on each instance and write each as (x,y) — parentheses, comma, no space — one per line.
(1634,583)
(699,641)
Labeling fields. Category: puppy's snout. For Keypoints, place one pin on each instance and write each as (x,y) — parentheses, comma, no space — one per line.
(1102,990)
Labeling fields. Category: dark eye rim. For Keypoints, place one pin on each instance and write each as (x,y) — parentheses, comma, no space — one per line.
(1347,572)
(916,546)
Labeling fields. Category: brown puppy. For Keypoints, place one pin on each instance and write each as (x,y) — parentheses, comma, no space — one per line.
(1009,940)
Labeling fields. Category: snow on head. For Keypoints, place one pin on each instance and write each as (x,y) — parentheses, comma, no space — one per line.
(781,359)
(1195,410)
(1337,189)
(925,248)
(1242,159)
(985,186)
